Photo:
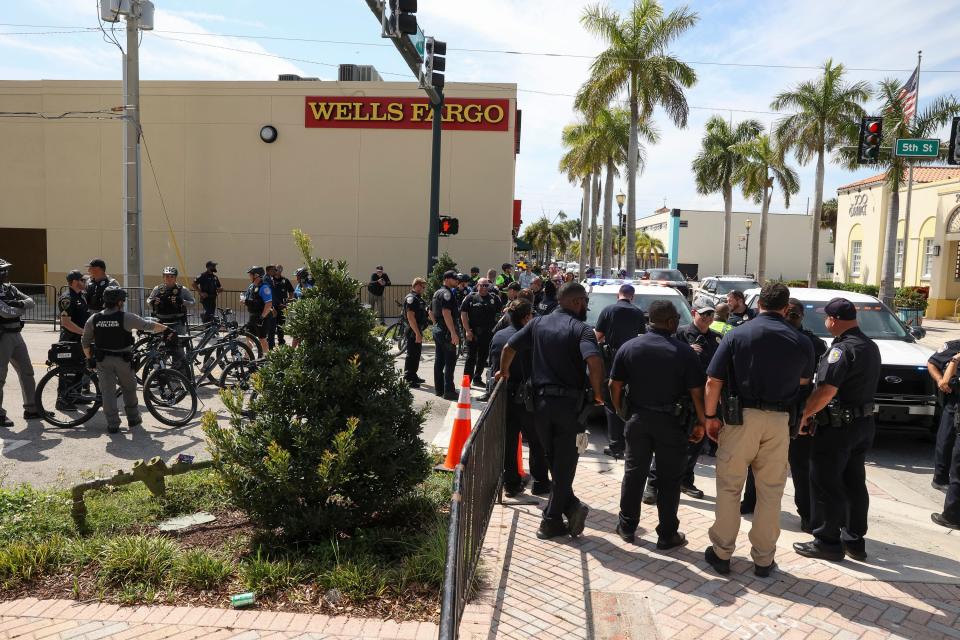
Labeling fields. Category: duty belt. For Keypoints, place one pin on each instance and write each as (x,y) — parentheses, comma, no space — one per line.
(657,408)
(556,391)
(861,411)
(765,406)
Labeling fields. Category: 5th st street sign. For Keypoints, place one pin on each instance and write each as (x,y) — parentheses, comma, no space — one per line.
(917,148)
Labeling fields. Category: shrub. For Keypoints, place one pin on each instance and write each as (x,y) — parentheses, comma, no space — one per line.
(427,563)
(138,559)
(435,279)
(335,440)
(25,561)
(856,287)
(911,298)
(263,575)
(202,570)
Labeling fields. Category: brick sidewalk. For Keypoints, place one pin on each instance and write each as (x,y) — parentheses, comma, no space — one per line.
(601,587)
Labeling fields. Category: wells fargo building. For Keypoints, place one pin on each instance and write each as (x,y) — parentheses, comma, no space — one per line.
(350,166)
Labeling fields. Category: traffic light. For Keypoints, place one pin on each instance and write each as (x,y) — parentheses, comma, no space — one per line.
(449,226)
(953,151)
(871,134)
(434,63)
(401,18)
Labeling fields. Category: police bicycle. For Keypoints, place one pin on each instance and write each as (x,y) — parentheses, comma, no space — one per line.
(239,379)
(396,334)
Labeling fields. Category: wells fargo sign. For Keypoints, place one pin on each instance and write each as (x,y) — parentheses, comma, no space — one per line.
(472,114)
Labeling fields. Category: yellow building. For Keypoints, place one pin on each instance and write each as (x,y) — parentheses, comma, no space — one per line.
(927,254)
(350,166)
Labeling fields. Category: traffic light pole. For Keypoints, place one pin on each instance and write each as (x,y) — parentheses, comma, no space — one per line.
(433,235)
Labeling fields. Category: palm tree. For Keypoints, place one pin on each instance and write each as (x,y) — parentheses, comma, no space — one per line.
(763,169)
(715,165)
(542,235)
(828,217)
(579,163)
(924,124)
(637,62)
(648,248)
(827,112)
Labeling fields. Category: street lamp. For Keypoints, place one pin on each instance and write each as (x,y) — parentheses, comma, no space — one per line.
(746,247)
(621,198)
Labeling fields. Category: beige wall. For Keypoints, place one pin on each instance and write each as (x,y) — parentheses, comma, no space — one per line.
(362,194)
(701,242)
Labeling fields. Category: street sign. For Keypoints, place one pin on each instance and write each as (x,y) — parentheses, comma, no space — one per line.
(418,40)
(917,147)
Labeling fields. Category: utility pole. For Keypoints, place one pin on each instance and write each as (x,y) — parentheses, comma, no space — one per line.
(433,235)
(132,206)
(906,213)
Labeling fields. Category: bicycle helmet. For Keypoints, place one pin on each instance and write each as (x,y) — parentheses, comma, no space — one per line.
(74,275)
(462,277)
(112,296)
(170,271)
(4,269)
(302,272)
(260,271)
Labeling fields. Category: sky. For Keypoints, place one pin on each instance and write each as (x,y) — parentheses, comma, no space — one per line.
(255,40)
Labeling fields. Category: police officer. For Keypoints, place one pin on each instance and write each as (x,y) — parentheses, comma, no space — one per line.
(617,323)
(846,380)
(207,285)
(662,372)
(13,350)
(474,276)
(73,317)
(519,416)
(560,342)
(506,276)
(97,283)
(939,367)
(108,339)
(170,302)
(739,311)
(445,336)
(762,364)
(415,313)
(950,517)
(479,313)
(304,282)
(259,301)
(282,295)
(548,301)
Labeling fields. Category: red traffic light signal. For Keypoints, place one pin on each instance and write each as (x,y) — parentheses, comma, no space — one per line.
(449,226)
(871,135)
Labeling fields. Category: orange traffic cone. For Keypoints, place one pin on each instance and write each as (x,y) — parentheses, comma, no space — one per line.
(461,427)
(520,457)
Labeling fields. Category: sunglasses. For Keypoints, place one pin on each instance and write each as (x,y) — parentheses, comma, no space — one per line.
(794,315)
(483,286)
(705,313)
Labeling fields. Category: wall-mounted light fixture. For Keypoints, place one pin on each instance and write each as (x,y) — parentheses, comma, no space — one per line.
(268,133)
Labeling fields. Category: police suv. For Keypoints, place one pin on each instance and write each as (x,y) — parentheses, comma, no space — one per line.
(603,292)
(906,394)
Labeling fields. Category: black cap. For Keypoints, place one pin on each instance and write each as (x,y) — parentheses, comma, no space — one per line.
(474,269)
(462,277)
(97,262)
(74,275)
(505,266)
(452,275)
(211,263)
(379,267)
(514,286)
(841,309)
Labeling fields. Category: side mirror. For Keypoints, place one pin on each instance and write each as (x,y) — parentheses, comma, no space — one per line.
(918,332)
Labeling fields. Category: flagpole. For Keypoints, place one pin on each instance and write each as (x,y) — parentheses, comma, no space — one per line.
(906,215)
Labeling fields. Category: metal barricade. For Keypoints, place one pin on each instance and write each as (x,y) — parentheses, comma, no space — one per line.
(45,300)
(393,296)
(477,484)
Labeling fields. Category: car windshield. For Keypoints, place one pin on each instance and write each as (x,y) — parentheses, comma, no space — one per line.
(875,321)
(667,274)
(726,286)
(598,301)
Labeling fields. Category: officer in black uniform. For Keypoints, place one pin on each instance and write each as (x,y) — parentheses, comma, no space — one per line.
(73,317)
(665,378)
(617,323)
(846,381)
(13,349)
(108,339)
(97,283)
(445,336)
(758,369)
(519,416)
(561,342)
(207,285)
(950,517)
(479,312)
(170,302)
(739,311)
(704,343)
(258,299)
(950,393)
(415,313)
(548,301)
(282,296)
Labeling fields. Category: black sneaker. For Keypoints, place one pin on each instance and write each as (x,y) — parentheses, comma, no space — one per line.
(577,519)
(419,379)
(63,405)
(939,486)
(113,428)
(413,384)
(649,495)
(941,520)
(513,492)
(484,398)
(479,383)
(764,572)
(6,422)
(616,454)
(855,549)
(720,566)
(814,549)
(626,536)
(541,488)
(135,422)
(551,529)
(691,490)
(674,541)
(451,395)
(36,415)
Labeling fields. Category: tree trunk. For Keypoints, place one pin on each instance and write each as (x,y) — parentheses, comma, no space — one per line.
(889,247)
(762,243)
(584,225)
(595,210)
(727,210)
(631,235)
(815,235)
(606,252)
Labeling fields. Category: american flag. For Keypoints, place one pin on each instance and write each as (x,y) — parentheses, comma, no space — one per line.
(908,94)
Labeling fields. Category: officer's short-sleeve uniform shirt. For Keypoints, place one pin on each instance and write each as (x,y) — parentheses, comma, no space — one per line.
(767,358)
(659,368)
(819,346)
(444,298)
(483,311)
(73,305)
(709,342)
(940,360)
(736,319)
(520,367)
(853,366)
(208,283)
(546,305)
(413,302)
(560,344)
(620,322)
(94,292)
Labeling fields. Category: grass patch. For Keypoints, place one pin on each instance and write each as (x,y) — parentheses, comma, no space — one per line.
(202,570)
(264,575)
(25,561)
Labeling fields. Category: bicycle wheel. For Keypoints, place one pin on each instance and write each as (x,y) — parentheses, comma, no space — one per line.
(170,397)
(68,396)
(225,354)
(253,342)
(238,376)
(390,334)
(402,340)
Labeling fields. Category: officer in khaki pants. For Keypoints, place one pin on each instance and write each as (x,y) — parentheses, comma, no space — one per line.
(760,367)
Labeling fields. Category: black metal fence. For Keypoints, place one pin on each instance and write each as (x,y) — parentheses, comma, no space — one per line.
(45,298)
(477,483)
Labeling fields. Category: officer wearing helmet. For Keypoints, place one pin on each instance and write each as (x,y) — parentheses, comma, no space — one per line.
(259,300)
(304,282)
(97,283)
(170,302)
(107,342)
(13,350)
(73,316)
